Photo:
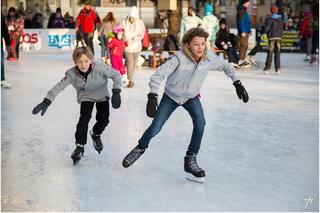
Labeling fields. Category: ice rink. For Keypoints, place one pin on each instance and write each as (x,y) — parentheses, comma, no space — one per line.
(259,156)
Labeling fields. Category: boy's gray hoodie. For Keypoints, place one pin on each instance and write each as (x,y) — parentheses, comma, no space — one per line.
(185,76)
(94,89)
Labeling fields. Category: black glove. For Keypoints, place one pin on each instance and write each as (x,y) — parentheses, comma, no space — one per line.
(241,91)
(43,106)
(152,105)
(116,99)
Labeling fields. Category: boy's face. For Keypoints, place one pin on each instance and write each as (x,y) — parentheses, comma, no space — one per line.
(197,46)
(83,63)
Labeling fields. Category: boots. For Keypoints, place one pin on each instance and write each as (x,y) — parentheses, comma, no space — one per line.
(194,172)
(96,141)
(77,154)
(133,156)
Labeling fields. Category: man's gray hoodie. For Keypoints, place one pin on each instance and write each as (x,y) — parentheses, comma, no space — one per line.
(94,88)
(185,76)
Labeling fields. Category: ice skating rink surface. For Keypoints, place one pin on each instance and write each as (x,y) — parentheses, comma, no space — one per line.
(259,156)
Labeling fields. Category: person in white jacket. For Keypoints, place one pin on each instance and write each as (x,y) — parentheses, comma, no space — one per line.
(134,30)
(211,25)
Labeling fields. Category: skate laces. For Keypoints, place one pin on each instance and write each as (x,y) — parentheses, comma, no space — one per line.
(193,163)
(134,155)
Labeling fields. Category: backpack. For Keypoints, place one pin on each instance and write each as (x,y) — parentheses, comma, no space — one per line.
(170,43)
(145,39)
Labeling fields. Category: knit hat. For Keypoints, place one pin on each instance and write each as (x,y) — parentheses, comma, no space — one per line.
(244,1)
(274,9)
(134,12)
(117,29)
(208,9)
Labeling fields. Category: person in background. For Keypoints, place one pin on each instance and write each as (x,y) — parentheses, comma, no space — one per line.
(107,24)
(289,26)
(189,21)
(6,38)
(226,41)
(244,29)
(69,21)
(58,21)
(306,33)
(116,46)
(52,17)
(15,25)
(273,27)
(38,20)
(90,79)
(210,24)
(86,21)
(28,23)
(315,34)
(134,30)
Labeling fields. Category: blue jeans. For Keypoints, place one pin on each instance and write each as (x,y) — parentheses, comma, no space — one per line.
(165,109)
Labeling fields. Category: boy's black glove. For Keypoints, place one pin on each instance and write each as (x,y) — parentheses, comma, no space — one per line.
(241,91)
(43,106)
(152,105)
(116,99)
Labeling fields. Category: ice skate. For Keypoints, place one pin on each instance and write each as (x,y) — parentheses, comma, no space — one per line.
(278,71)
(77,154)
(96,142)
(313,60)
(132,156)
(194,172)
(5,85)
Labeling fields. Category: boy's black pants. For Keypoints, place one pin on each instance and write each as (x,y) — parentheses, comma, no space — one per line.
(102,118)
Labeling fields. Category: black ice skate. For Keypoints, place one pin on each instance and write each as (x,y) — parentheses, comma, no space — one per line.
(96,142)
(132,156)
(194,172)
(77,154)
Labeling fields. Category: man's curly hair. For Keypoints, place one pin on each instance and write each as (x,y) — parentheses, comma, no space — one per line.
(193,32)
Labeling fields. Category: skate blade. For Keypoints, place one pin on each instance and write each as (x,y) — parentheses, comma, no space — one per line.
(195,179)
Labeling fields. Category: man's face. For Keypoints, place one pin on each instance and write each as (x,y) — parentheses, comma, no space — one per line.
(83,63)
(197,46)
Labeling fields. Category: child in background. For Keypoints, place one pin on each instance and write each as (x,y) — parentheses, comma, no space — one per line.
(90,79)
(116,46)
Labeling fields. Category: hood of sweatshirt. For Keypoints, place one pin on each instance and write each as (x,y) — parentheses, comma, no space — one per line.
(276,16)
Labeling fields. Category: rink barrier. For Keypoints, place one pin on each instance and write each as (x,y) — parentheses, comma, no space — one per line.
(49,40)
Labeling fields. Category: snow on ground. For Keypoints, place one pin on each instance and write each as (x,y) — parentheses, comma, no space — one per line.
(259,156)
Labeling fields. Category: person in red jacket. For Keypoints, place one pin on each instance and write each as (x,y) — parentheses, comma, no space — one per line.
(116,46)
(86,21)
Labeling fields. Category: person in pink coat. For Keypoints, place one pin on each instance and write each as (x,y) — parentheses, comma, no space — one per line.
(116,46)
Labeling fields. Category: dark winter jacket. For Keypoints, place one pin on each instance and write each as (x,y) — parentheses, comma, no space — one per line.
(273,26)
(243,20)
(4,33)
(225,36)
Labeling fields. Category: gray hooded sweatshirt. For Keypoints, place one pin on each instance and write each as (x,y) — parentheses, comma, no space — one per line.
(94,88)
(185,76)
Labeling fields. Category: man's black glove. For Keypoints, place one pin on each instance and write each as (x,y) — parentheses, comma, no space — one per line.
(43,106)
(241,91)
(152,105)
(116,99)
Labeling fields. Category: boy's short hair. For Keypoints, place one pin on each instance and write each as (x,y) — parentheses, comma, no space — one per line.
(80,51)
(193,32)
